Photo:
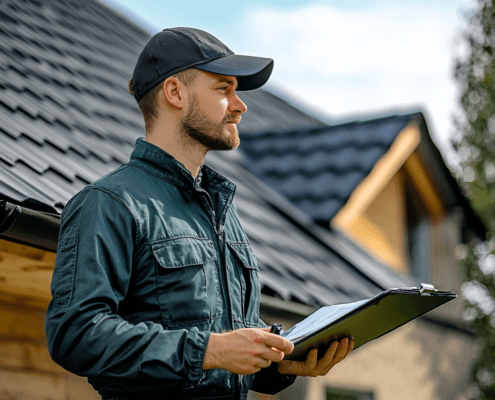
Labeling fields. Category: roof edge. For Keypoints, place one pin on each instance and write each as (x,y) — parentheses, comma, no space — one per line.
(290,310)
(427,150)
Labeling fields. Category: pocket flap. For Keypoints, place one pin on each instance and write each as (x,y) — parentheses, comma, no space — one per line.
(183,252)
(244,254)
(69,239)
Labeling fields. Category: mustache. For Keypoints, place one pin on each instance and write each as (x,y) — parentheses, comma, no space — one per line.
(232,118)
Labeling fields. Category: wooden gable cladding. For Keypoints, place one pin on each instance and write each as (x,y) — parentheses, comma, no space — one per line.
(382,173)
(25,275)
(425,187)
(376,213)
(26,368)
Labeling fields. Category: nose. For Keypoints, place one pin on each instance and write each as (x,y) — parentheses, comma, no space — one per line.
(236,105)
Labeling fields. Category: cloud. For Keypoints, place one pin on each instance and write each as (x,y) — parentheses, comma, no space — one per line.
(362,60)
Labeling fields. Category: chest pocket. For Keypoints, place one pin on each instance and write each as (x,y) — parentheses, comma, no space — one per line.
(248,276)
(187,281)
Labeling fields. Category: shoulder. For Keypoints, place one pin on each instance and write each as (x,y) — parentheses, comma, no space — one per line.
(106,193)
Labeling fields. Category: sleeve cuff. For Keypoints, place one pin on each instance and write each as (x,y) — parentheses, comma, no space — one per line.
(270,381)
(198,341)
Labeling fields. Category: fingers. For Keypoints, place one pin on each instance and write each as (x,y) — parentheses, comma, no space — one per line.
(330,353)
(279,342)
(268,346)
(311,359)
(263,363)
(335,354)
(272,354)
(301,368)
(350,347)
(341,351)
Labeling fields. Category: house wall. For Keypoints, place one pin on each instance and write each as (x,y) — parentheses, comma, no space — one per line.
(426,358)
(445,271)
(26,370)
(420,360)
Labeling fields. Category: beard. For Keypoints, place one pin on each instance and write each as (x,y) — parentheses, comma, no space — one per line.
(196,125)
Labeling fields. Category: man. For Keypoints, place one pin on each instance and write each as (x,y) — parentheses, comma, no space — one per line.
(155,287)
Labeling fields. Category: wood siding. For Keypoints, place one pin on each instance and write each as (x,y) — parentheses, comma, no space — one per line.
(27,371)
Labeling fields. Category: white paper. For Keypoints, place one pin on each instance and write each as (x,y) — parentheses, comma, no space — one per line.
(320,319)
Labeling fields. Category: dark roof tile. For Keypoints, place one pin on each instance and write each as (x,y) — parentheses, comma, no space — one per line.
(318,169)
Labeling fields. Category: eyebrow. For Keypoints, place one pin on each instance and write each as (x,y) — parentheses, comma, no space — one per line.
(229,81)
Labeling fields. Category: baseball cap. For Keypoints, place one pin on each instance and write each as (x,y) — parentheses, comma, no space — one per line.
(176,49)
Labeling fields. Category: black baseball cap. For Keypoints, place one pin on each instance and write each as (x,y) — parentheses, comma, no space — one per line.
(176,49)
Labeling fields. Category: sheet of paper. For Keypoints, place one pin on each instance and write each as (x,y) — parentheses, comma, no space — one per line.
(320,319)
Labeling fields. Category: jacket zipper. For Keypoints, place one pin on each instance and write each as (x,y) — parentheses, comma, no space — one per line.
(221,242)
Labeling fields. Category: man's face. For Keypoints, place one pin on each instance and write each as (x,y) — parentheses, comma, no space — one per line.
(214,110)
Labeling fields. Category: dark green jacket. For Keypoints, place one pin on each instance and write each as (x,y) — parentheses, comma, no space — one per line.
(150,261)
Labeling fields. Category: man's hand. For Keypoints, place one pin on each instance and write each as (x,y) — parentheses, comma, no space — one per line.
(312,367)
(245,351)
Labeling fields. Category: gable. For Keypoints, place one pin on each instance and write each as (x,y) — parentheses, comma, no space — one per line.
(318,170)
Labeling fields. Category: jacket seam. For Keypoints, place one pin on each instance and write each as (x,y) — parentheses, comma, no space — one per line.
(125,205)
(104,178)
(153,242)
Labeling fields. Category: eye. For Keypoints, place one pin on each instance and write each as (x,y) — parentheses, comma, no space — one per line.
(224,89)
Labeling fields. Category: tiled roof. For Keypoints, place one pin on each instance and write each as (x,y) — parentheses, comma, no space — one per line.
(66,119)
(318,169)
(66,115)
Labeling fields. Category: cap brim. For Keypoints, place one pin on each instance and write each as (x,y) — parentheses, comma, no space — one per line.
(251,72)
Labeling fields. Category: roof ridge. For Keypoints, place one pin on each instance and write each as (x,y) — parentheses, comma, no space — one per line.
(319,130)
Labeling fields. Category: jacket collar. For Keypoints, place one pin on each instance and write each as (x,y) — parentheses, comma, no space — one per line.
(158,161)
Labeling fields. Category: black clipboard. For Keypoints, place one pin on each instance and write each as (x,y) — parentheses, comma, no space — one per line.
(363,320)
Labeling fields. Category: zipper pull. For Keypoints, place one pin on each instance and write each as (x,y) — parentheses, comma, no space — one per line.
(220,229)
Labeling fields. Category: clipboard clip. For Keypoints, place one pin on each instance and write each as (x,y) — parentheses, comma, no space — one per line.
(427,288)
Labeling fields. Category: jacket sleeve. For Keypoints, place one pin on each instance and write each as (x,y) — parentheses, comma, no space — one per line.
(92,275)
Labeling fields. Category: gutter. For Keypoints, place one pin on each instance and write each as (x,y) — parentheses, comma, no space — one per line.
(33,228)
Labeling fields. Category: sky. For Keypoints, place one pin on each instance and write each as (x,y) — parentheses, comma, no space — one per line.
(340,60)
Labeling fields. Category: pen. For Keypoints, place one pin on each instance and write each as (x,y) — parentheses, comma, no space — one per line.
(276,329)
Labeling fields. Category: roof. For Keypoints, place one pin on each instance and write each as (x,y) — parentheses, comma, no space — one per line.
(66,119)
(318,169)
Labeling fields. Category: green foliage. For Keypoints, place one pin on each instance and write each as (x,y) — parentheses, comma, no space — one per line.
(475,73)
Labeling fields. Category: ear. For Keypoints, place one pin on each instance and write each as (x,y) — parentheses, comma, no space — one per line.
(173,92)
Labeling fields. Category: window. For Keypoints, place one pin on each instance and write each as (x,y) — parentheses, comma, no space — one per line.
(344,394)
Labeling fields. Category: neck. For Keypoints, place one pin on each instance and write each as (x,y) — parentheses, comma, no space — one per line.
(167,136)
